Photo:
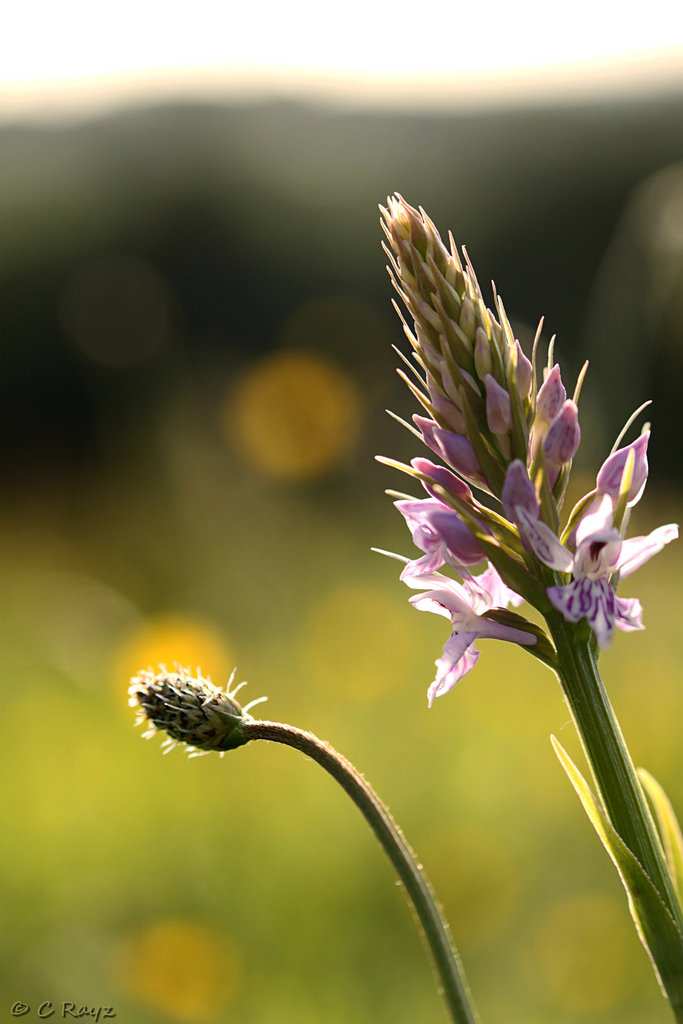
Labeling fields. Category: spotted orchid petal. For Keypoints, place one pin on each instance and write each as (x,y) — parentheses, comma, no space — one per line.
(446,597)
(629,614)
(595,600)
(427,563)
(459,657)
(521,506)
(596,519)
(637,550)
(543,542)
(491,581)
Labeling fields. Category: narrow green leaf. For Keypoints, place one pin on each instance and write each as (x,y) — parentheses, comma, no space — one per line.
(669,829)
(576,513)
(534,374)
(549,512)
(629,421)
(655,925)
(404,423)
(422,399)
(579,382)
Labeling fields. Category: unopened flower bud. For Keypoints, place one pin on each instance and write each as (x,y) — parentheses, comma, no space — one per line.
(190,710)
(551,396)
(446,407)
(437,529)
(483,363)
(459,452)
(564,435)
(519,492)
(498,410)
(468,317)
(443,477)
(610,474)
(449,385)
(427,428)
(447,410)
(454,448)
(524,372)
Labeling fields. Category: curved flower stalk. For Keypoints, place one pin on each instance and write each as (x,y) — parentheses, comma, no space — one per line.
(191,710)
(502,429)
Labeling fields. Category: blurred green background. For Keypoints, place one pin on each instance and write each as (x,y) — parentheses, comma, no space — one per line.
(195,358)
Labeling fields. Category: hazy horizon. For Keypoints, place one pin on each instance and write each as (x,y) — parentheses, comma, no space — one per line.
(365,55)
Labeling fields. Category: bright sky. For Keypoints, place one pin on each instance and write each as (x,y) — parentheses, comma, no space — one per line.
(61,55)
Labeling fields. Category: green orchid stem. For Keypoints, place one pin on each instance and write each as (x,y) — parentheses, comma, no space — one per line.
(613,771)
(436,931)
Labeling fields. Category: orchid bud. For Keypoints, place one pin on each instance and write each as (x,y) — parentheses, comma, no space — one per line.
(551,396)
(498,410)
(454,448)
(483,363)
(523,373)
(519,492)
(468,318)
(611,471)
(447,410)
(459,452)
(443,477)
(432,523)
(564,435)
(427,428)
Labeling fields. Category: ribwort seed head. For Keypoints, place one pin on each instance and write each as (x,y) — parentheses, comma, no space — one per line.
(190,709)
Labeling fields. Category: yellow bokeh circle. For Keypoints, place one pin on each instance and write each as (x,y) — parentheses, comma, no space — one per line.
(294,415)
(170,639)
(181,969)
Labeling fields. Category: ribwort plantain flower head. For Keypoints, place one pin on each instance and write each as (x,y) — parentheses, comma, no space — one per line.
(507,433)
(189,709)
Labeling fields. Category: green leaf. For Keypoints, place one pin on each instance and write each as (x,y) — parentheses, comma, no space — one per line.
(669,829)
(576,514)
(655,925)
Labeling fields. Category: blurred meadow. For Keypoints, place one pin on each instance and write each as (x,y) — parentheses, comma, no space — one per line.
(195,351)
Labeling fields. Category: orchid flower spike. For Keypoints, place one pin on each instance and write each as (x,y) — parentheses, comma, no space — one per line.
(493,426)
